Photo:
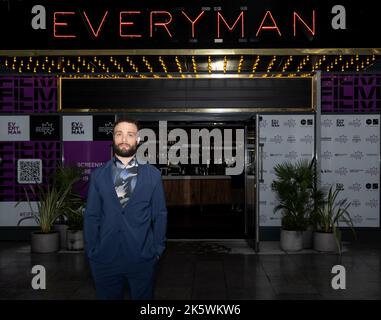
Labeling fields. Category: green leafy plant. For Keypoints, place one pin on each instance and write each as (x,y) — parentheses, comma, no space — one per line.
(50,205)
(296,193)
(331,212)
(55,200)
(75,217)
(66,177)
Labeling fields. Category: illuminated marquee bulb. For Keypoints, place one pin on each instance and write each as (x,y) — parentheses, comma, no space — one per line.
(194,64)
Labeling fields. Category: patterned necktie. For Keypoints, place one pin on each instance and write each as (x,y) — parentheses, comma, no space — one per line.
(125,180)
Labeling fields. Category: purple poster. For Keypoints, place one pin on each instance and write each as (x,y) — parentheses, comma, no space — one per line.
(351,93)
(14,178)
(88,155)
(28,94)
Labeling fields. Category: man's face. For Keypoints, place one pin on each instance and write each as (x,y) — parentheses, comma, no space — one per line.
(125,139)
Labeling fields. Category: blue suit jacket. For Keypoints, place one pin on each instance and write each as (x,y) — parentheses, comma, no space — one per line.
(139,228)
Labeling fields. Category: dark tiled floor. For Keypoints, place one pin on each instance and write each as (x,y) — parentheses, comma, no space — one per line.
(205,270)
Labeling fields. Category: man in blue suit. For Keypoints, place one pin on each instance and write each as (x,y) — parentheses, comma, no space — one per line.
(125,220)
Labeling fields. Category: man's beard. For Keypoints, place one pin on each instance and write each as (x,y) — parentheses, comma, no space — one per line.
(124,153)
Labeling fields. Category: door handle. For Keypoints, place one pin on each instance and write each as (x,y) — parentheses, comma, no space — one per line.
(261,145)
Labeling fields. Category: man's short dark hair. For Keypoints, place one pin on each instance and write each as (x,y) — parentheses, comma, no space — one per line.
(128,120)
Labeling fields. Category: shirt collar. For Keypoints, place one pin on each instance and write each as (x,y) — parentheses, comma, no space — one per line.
(119,164)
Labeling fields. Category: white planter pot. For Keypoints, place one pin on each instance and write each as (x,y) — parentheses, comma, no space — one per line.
(74,240)
(45,242)
(62,229)
(325,242)
(291,240)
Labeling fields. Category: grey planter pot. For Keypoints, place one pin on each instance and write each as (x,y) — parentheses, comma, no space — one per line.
(325,242)
(62,229)
(308,237)
(45,242)
(291,240)
(74,239)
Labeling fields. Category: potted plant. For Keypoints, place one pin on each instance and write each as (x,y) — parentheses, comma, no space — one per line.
(296,194)
(50,205)
(75,231)
(66,176)
(327,237)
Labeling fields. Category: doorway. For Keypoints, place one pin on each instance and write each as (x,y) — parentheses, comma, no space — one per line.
(203,200)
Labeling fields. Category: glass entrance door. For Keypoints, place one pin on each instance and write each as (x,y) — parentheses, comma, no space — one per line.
(251,167)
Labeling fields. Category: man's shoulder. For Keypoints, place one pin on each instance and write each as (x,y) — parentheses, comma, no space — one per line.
(152,170)
(97,171)
(155,171)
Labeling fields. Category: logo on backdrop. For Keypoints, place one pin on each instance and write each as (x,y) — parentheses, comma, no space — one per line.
(103,127)
(308,122)
(292,155)
(357,219)
(263,123)
(372,171)
(355,123)
(373,203)
(326,155)
(291,139)
(356,139)
(327,123)
(355,187)
(372,139)
(372,122)
(277,139)
(341,171)
(77,128)
(13,128)
(274,123)
(44,128)
(307,139)
(342,139)
(291,123)
(357,155)
(107,128)
(371,186)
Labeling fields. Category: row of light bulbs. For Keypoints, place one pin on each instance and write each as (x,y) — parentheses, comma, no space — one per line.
(92,65)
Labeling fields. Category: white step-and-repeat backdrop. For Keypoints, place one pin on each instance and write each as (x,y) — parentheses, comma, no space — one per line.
(350,159)
(285,138)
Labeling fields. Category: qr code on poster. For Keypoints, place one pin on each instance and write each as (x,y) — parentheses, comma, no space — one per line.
(29,171)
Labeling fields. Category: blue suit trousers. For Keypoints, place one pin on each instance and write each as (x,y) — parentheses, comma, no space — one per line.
(110,278)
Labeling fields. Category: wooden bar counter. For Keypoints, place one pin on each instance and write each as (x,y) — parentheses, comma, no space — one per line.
(197,190)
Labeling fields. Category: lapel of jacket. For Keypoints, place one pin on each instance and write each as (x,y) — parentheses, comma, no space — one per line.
(110,183)
(139,184)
